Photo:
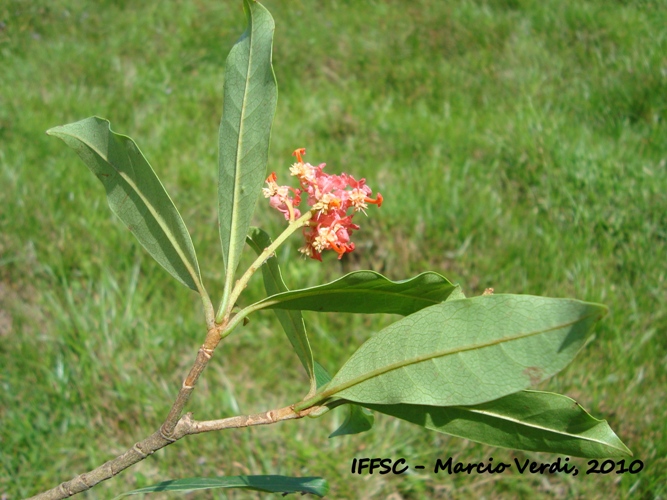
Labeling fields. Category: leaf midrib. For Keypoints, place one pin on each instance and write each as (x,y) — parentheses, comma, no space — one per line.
(159,219)
(233,229)
(532,426)
(438,354)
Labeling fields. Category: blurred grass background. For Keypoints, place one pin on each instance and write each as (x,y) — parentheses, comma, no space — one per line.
(519,145)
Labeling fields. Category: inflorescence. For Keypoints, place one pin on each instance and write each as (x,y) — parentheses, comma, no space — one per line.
(329,198)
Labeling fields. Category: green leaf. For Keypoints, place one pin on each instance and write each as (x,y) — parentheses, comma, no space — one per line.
(367,292)
(322,376)
(456,294)
(249,105)
(269,484)
(466,351)
(291,321)
(526,420)
(135,195)
(356,421)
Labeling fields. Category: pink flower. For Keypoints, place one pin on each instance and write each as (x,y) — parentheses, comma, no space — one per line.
(329,198)
(279,198)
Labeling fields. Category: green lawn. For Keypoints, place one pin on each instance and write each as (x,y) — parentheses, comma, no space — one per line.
(519,145)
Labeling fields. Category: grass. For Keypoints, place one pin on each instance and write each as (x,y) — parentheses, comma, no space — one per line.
(518,144)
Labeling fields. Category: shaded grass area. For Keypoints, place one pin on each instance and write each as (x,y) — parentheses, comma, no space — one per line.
(518,144)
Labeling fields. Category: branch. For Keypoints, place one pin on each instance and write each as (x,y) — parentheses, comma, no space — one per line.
(176,427)
(107,470)
(204,354)
(185,426)
(156,441)
(264,418)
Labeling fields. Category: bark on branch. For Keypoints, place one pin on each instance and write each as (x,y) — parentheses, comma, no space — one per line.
(185,426)
(174,428)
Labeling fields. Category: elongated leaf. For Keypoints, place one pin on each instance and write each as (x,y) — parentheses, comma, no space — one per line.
(135,195)
(269,484)
(466,351)
(367,292)
(526,420)
(250,103)
(291,321)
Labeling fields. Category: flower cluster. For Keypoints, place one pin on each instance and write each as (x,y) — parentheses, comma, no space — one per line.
(330,197)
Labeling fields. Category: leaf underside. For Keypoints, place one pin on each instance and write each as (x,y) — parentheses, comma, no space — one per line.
(250,96)
(466,352)
(135,195)
(526,420)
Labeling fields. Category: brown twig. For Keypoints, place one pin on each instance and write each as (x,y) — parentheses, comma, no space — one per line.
(185,426)
(203,356)
(174,428)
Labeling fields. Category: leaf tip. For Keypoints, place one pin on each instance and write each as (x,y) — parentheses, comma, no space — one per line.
(626,450)
(599,311)
(604,310)
(595,310)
